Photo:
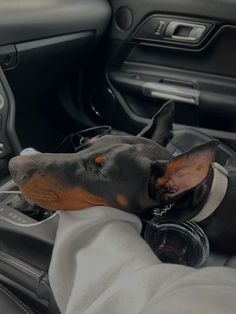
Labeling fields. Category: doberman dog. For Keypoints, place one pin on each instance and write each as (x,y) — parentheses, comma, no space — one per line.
(134,174)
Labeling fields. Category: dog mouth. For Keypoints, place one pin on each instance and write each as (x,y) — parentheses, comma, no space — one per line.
(41,195)
(41,188)
(49,192)
(43,191)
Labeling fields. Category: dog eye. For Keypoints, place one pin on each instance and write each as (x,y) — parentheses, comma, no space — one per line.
(96,167)
(100,160)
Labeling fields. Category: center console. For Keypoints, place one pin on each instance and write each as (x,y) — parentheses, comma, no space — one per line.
(27,232)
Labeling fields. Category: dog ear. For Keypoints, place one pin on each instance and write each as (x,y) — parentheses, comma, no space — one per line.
(184,171)
(160,129)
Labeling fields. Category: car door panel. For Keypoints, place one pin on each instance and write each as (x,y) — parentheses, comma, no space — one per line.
(140,9)
(205,70)
(216,57)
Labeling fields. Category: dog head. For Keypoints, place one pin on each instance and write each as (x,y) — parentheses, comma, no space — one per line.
(126,172)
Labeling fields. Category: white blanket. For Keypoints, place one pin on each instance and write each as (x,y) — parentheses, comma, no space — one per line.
(101,265)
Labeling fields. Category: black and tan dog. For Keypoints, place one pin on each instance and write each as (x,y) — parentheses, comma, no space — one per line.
(132,173)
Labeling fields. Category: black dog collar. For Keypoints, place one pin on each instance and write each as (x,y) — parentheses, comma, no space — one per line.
(217,193)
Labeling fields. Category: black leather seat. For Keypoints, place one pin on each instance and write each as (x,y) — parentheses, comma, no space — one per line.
(10,304)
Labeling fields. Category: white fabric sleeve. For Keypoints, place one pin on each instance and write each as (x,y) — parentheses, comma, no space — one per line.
(101,265)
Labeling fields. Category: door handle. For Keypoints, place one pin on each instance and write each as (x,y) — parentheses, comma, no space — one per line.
(185,31)
(168,91)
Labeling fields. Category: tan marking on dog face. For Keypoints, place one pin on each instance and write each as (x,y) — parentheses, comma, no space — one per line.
(122,200)
(50,193)
(100,160)
(199,167)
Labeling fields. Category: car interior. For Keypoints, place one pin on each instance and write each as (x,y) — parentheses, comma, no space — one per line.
(70,65)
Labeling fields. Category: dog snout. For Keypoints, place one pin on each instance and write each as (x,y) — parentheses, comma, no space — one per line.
(21,168)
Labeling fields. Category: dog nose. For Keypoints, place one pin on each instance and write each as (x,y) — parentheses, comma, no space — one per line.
(21,168)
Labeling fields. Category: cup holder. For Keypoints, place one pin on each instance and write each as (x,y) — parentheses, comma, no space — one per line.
(177,243)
